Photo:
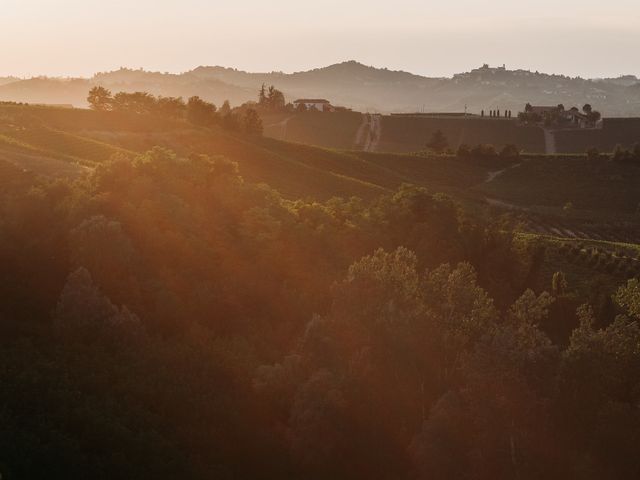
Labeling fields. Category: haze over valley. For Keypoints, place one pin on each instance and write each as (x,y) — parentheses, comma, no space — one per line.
(422,264)
(350,84)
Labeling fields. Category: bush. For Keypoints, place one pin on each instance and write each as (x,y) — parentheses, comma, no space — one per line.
(463,151)
(510,151)
(484,150)
(593,154)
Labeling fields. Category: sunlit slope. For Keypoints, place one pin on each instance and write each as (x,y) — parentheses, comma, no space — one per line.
(82,137)
(299,171)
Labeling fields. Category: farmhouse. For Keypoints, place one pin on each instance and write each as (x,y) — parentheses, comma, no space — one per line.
(318,104)
(576,118)
(558,117)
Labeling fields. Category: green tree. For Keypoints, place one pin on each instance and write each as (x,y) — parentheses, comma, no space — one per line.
(593,154)
(171,107)
(438,142)
(201,112)
(225,109)
(510,151)
(275,99)
(559,284)
(100,99)
(262,96)
(252,123)
(141,103)
(463,151)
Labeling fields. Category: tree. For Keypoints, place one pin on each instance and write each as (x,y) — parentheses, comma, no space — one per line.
(621,155)
(629,298)
(510,151)
(83,313)
(141,103)
(275,99)
(252,122)
(559,284)
(594,116)
(100,99)
(438,142)
(171,107)
(230,122)
(593,154)
(587,109)
(463,151)
(225,109)
(484,150)
(262,95)
(200,112)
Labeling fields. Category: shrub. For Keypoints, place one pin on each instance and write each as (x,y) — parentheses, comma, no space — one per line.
(510,151)
(484,150)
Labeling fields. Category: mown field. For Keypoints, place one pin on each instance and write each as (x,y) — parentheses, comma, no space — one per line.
(331,130)
(558,181)
(615,131)
(406,133)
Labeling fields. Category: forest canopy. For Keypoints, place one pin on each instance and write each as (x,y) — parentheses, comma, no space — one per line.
(194,325)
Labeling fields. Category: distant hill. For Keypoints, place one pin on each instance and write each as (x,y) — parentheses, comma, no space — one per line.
(7,80)
(354,85)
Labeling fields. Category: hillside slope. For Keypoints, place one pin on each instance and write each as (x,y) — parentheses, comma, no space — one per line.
(354,85)
(87,138)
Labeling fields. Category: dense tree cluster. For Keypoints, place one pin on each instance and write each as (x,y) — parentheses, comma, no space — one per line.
(163,318)
(271,98)
(558,116)
(195,110)
(623,155)
(438,142)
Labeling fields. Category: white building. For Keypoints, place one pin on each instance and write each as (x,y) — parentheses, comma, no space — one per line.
(318,104)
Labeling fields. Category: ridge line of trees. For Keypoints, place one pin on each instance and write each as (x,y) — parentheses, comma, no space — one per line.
(195,110)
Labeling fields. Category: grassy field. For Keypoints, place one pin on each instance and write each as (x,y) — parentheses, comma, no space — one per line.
(555,181)
(330,130)
(615,131)
(402,133)
(298,170)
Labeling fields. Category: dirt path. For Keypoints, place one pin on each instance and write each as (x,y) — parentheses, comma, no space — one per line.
(491,176)
(283,127)
(369,133)
(550,142)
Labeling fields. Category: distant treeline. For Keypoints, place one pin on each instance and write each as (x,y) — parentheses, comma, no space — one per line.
(195,110)
(439,143)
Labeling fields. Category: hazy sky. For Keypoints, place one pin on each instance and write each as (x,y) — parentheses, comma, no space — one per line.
(430,37)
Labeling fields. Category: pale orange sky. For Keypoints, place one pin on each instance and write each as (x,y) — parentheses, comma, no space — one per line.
(80,37)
